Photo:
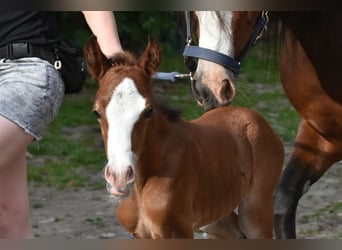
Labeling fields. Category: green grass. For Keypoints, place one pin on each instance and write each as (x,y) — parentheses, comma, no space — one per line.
(71,153)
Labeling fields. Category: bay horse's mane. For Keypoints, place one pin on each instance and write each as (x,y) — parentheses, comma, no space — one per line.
(319,34)
(220,20)
(306,26)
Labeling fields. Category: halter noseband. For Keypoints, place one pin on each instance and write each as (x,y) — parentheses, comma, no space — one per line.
(191,51)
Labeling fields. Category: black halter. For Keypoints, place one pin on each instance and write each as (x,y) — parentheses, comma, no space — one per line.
(191,51)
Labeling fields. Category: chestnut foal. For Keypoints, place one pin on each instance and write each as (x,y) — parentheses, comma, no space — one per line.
(175,176)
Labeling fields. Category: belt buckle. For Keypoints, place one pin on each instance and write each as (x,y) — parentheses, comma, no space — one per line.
(18,50)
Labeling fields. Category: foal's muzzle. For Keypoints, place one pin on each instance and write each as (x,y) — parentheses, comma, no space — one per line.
(119,182)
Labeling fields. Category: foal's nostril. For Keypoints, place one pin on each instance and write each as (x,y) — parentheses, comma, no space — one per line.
(130,174)
(110,175)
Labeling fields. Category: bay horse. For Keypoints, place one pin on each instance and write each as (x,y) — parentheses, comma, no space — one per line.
(310,70)
(174,176)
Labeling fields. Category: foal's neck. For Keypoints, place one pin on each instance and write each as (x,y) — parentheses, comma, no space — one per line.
(157,144)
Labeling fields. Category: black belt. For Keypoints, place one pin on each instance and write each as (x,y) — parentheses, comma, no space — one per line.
(20,50)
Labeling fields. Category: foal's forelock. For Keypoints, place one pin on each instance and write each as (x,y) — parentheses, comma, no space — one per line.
(122,112)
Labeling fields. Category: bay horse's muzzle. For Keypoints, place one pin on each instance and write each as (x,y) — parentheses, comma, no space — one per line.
(207,99)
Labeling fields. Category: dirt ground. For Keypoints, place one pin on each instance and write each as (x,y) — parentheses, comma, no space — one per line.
(88,214)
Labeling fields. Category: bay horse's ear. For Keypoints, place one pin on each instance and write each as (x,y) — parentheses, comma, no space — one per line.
(97,63)
(150,60)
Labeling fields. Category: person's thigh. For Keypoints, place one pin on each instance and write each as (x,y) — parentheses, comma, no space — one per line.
(13,142)
(31,93)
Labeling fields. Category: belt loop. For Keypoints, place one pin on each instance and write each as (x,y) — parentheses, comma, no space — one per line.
(29,49)
(9,51)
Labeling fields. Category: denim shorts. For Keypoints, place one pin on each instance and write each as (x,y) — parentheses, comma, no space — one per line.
(31,93)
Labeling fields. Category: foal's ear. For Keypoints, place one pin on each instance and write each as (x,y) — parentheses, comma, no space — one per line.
(149,61)
(97,63)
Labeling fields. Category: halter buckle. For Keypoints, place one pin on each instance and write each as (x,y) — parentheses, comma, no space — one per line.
(265,19)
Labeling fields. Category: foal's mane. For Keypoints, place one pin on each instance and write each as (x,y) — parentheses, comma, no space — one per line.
(123,59)
(172,114)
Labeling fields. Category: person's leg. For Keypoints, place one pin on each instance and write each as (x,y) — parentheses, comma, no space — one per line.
(14,202)
(31,93)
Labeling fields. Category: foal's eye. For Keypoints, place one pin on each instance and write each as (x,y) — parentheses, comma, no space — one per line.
(97,114)
(148,112)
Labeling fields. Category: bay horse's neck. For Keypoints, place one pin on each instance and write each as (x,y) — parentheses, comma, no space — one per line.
(319,35)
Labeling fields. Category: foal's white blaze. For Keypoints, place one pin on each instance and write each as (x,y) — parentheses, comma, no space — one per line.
(122,112)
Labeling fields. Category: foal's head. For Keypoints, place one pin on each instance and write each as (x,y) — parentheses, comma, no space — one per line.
(123,104)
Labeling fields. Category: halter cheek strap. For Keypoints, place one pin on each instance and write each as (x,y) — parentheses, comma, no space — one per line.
(256,35)
(226,61)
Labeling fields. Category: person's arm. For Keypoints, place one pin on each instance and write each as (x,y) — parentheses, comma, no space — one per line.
(103,26)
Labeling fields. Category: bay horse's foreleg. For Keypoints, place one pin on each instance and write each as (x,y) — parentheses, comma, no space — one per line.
(226,228)
(312,156)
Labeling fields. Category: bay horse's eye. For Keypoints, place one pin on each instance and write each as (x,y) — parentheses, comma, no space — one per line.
(97,114)
(148,112)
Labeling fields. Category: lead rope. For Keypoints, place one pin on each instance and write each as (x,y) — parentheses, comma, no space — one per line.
(172,76)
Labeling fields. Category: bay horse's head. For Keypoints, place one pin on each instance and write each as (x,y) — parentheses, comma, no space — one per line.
(122,105)
(230,33)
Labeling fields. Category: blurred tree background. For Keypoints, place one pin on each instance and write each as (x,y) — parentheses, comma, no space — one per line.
(134,27)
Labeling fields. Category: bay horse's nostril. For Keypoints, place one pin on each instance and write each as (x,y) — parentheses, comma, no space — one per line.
(227,92)
(129,174)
